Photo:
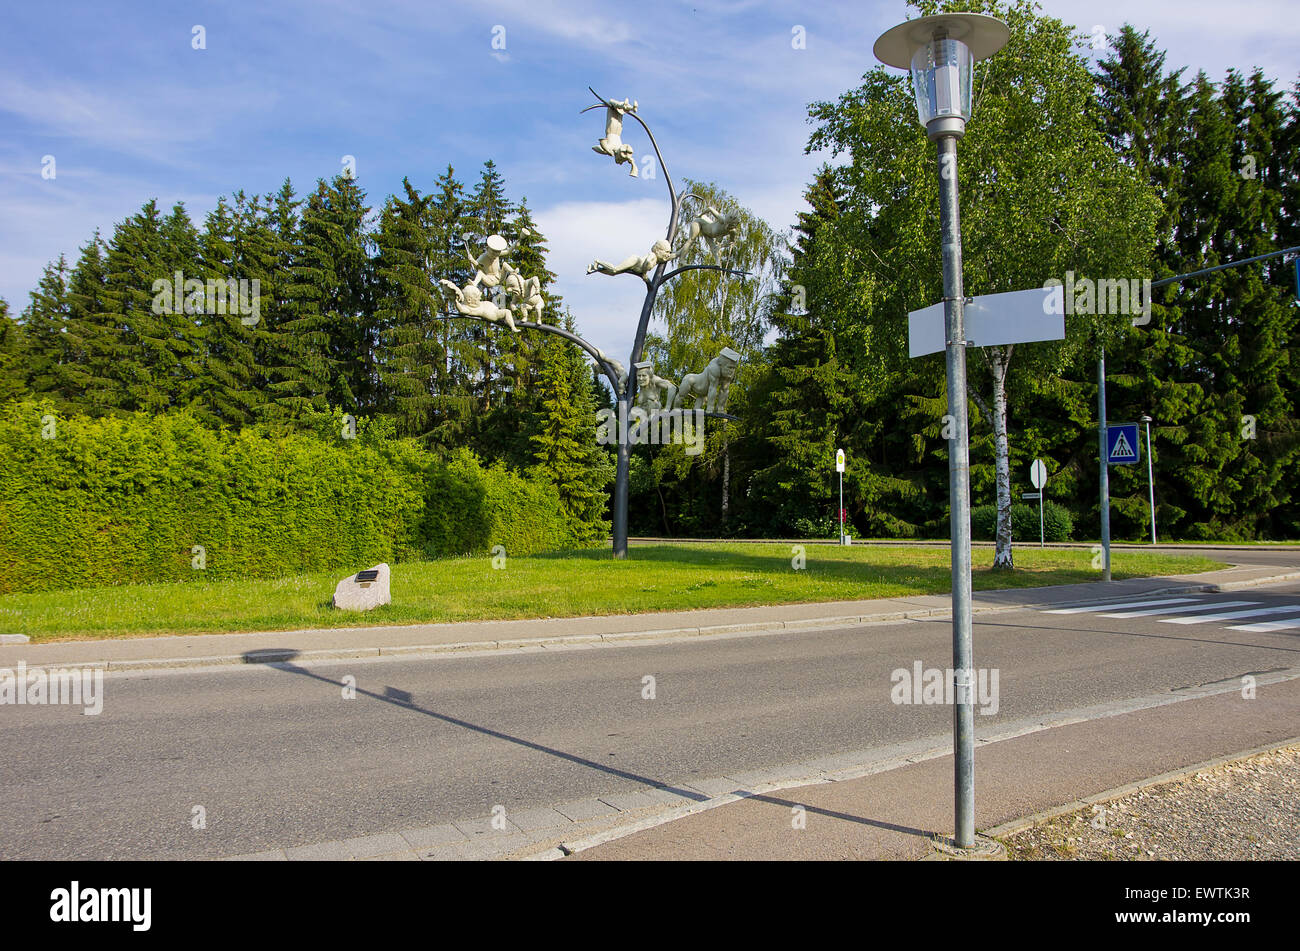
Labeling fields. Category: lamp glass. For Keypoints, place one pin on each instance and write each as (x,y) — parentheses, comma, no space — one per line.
(942,71)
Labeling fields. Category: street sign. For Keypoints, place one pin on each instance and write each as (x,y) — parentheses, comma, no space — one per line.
(1038,474)
(839,460)
(993,320)
(1031,495)
(1122,444)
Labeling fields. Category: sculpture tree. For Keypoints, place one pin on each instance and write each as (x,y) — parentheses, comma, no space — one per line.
(511,292)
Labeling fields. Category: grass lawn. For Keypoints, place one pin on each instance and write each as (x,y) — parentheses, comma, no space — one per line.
(655,577)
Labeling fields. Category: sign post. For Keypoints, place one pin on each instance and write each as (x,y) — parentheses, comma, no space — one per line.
(839,467)
(1038,476)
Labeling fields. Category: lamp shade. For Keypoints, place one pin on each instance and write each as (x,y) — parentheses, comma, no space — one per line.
(941,52)
(942,72)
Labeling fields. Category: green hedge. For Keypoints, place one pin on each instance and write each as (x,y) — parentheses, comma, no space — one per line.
(126,499)
(469,509)
(1058,525)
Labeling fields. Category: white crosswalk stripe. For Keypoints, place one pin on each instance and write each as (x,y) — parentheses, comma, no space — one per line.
(1232,615)
(1112,607)
(1183,610)
(1263,627)
(1196,610)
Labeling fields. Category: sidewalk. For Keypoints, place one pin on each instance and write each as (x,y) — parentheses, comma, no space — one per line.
(895,812)
(530,634)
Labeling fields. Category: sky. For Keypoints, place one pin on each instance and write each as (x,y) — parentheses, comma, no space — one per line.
(130,107)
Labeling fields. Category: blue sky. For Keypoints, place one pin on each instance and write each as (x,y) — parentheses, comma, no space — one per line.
(131,111)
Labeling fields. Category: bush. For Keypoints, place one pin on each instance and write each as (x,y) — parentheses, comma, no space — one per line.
(826,527)
(87,502)
(469,509)
(1058,524)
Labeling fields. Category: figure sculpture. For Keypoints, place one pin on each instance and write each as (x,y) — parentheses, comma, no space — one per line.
(620,371)
(471,303)
(713,227)
(712,385)
(660,253)
(525,293)
(487,266)
(612,144)
(653,393)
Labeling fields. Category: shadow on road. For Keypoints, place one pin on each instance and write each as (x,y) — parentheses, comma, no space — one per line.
(404,700)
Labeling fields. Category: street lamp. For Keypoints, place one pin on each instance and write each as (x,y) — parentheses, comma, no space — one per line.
(1151,479)
(941,51)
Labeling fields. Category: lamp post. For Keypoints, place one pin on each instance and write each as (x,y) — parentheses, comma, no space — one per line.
(941,51)
(1151,479)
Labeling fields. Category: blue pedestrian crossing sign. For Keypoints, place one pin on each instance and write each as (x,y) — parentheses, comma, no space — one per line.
(1122,443)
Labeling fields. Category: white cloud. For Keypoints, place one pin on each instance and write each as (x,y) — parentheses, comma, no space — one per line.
(605,307)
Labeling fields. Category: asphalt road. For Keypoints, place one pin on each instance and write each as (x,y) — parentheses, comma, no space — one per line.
(277,757)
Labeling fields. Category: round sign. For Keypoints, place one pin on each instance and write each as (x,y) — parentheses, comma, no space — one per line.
(1038,474)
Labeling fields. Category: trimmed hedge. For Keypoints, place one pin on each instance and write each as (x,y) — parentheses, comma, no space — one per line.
(469,509)
(127,499)
(1058,525)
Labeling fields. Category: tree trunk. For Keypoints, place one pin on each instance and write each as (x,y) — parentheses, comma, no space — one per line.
(999,361)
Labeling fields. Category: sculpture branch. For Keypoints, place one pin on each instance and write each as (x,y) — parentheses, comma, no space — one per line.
(593,351)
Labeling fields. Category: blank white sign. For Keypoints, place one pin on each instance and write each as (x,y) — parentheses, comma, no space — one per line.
(993,320)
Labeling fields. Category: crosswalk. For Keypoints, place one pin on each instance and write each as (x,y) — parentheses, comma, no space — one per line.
(1198,610)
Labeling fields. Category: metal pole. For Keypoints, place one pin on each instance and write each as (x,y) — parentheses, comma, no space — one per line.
(841,508)
(959,496)
(1042,535)
(1151,484)
(1105,466)
(621,476)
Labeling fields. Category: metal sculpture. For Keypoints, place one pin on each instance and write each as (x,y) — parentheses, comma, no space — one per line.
(711,386)
(651,394)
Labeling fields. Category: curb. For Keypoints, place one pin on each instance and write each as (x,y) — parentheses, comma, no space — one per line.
(289,655)
(1008,829)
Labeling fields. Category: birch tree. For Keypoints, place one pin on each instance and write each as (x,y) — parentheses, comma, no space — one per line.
(1042,194)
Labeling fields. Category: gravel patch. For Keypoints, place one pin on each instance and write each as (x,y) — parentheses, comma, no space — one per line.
(1245,810)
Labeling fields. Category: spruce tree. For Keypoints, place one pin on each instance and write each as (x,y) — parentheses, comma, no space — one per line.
(565,447)
(13,384)
(331,331)
(409,350)
(45,344)
(453,402)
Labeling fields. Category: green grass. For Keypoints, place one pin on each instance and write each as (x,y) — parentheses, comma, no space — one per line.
(655,577)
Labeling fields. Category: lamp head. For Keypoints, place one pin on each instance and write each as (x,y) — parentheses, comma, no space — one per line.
(941,52)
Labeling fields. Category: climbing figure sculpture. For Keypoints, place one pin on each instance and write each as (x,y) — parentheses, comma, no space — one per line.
(612,144)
